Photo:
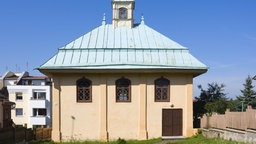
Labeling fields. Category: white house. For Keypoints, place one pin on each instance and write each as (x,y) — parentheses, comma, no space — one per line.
(32,95)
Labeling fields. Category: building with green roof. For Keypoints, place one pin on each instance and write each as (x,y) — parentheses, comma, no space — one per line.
(122,80)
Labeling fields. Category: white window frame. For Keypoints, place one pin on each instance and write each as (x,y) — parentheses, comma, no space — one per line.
(19,94)
(37,94)
(21,112)
(37,112)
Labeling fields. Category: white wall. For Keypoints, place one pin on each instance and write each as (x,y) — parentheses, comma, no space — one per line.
(9,82)
(28,104)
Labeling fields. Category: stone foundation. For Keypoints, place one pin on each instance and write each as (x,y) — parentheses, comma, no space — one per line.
(248,136)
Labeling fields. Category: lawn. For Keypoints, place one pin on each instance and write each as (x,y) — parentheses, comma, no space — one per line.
(198,139)
(119,141)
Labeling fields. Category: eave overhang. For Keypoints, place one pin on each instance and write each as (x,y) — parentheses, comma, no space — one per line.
(51,71)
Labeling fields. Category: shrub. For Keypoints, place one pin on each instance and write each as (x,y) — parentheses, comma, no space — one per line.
(121,141)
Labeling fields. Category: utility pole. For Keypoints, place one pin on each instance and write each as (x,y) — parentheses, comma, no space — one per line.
(242,105)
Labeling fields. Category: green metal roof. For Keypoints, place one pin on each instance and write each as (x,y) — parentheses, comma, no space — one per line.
(107,47)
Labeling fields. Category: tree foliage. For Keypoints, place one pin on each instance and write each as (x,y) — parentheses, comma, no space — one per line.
(213,99)
(233,104)
(198,109)
(248,94)
(218,106)
(214,92)
(4,92)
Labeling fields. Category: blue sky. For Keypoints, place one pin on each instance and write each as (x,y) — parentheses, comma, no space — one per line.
(220,33)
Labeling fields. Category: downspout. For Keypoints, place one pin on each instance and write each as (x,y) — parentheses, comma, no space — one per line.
(60,110)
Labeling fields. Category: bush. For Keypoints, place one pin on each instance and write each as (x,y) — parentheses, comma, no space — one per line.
(121,141)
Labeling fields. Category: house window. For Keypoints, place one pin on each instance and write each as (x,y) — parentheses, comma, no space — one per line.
(84,90)
(39,95)
(19,112)
(123,90)
(122,13)
(19,96)
(162,90)
(39,112)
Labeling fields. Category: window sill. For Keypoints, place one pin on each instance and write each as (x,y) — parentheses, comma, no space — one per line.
(18,100)
(128,101)
(38,116)
(89,101)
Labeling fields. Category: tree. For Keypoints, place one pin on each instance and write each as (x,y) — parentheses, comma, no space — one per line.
(248,95)
(4,92)
(232,104)
(211,100)
(213,93)
(219,106)
(198,112)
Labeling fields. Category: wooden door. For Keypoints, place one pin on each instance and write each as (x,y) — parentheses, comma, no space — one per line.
(172,122)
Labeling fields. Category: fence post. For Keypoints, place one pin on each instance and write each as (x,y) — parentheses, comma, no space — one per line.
(207,121)
(14,134)
(25,134)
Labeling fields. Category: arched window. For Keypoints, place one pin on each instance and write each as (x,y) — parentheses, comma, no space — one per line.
(84,90)
(162,90)
(123,13)
(123,90)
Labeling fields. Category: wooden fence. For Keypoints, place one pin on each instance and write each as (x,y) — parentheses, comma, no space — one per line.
(235,120)
(14,135)
(22,134)
(43,133)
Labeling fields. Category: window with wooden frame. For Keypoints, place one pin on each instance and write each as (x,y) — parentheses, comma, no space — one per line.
(162,90)
(123,90)
(84,90)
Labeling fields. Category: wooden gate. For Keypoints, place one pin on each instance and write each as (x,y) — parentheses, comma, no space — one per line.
(172,122)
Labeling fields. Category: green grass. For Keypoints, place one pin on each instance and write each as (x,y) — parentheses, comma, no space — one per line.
(119,141)
(199,139)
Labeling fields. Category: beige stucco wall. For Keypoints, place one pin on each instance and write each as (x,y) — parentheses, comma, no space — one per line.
(104,117)
(180,97)
(123,117)
(19,120)
(79,120)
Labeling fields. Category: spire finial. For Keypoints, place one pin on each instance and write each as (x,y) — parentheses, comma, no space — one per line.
(142,19)
(104,19)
